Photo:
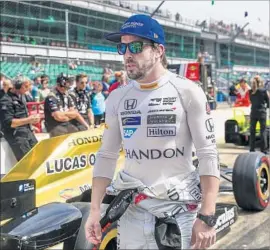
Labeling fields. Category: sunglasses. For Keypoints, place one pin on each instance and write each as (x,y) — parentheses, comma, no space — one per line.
(135,47)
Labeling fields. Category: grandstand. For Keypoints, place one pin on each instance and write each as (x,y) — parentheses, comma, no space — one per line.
(57,32)
(12,69)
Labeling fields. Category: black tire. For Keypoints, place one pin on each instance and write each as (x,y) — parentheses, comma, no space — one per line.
(231,131)
(251,181)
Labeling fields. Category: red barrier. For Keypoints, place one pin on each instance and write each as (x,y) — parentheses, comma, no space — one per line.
(35,108)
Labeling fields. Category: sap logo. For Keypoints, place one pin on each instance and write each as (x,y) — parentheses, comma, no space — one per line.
(133,120)
(128,132)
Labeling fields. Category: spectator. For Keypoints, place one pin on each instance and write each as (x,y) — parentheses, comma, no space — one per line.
(72,65)
(16,124)
(59,110)
(82,102)
(98,103)
(71,83)
(89,87)
(105,85)
(259,102)
(28,95)
(45,78)
(242,94)
(2,79)
(177,17)
(35,87)
(232,94)
(267,86)
(121,81)
(44,90)
(6,86)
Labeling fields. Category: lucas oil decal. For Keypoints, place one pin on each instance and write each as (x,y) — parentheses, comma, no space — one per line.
(68,164)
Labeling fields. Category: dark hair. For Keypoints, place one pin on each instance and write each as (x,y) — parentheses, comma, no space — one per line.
(37,78)
(80,76)
(19,81)
(44,76)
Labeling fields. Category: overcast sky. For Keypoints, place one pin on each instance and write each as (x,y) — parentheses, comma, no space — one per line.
(228,11)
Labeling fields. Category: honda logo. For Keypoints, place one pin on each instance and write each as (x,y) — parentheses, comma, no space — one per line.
(130,104)
(209,124)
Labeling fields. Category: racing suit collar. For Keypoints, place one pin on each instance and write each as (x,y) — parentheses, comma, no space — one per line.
(155,84)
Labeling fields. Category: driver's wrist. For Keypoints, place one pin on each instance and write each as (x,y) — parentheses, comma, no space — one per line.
(206,212)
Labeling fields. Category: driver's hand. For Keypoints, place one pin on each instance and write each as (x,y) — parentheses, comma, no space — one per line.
(203,236)
(92,228)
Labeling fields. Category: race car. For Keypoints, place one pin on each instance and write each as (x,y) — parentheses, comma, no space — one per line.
(237,129)
(45,198)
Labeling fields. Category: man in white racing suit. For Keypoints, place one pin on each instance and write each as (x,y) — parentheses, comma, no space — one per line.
(158,117)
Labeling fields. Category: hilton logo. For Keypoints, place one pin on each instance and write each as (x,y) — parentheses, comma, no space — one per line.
(161,131)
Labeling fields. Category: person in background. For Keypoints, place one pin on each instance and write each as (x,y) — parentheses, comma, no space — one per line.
(242,94)
(121,81)
(259,103)
(59,110)
(89,85)
(34,88)
(105,85)
(267,86)
(2,79)
(82,102)
(16,123)
(232,94)
(44,90)
(71,83)
(37,81)
(45,78)
(28,95)
(6,86)
(98,103)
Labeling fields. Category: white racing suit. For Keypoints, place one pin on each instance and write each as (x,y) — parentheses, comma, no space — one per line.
(158,124)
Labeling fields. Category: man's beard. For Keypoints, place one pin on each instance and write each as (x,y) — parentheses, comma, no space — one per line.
(140,71)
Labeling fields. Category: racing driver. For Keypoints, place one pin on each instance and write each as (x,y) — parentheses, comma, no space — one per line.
(158,117)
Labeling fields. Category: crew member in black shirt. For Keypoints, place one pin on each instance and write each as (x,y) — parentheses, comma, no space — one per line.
(59,110)
(82,101)
(16,123)
(259,102)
